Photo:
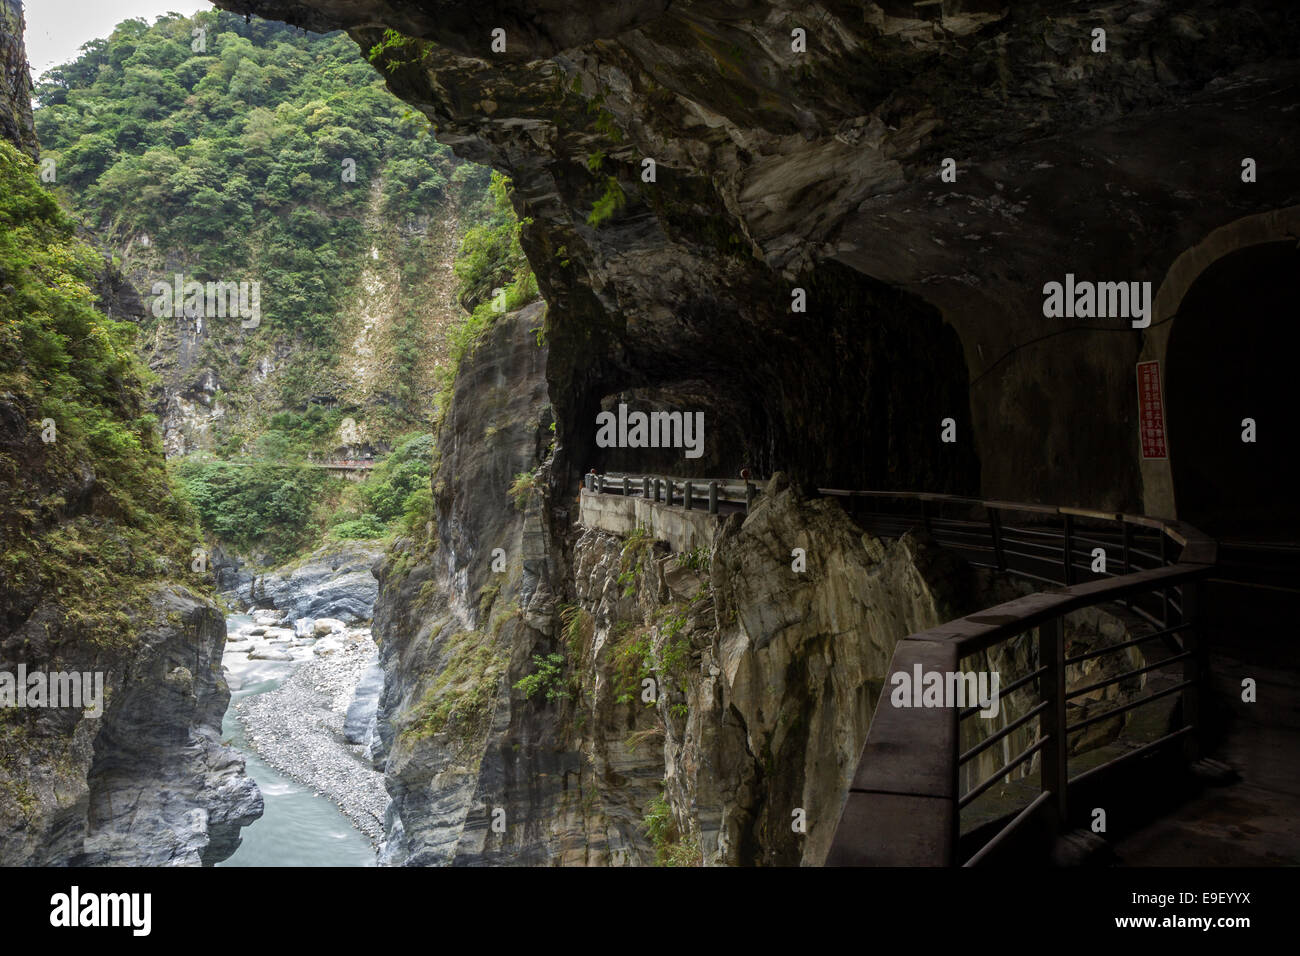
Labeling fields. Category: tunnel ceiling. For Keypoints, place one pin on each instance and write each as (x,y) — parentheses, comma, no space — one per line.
(820,169)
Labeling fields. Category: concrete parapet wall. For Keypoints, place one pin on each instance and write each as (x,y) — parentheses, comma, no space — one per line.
(680,529)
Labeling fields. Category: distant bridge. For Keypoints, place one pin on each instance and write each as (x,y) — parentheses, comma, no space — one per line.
(913,779)
(347,465)
(343,464)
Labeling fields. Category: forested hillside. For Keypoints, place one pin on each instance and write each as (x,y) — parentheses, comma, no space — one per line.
(209,150)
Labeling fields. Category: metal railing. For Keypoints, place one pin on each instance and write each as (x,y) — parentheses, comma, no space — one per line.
(912,780)
(702,494)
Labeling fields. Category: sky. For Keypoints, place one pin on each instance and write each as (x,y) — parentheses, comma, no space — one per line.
(56,29)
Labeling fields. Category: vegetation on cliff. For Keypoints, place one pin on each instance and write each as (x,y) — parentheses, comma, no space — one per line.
(88,514)
(230,150)
(234,151)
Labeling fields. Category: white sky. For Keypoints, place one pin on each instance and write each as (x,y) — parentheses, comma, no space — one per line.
(56,29)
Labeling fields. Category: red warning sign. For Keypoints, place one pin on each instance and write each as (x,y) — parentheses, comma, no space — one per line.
(1151,411)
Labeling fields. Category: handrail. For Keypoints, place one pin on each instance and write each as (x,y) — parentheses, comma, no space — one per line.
(904,802)
(707,492)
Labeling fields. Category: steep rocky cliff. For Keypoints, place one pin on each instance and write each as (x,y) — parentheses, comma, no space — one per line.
(149,782)
(15,82)
(123,763)
(793,263)
(450,628)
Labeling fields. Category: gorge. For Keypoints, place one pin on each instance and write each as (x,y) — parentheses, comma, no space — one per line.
(566,681)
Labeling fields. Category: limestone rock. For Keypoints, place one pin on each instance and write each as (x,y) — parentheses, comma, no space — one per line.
(358,725)
(334,584)
(149,783)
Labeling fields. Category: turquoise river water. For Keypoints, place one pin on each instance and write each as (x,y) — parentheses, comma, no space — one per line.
(299,827)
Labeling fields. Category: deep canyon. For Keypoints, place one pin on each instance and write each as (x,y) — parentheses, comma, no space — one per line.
(719,221)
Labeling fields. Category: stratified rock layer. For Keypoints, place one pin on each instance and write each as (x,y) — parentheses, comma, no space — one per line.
(147,784)
(334,582)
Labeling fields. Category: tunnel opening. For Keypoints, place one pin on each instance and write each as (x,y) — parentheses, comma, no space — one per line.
(851,393)
(1230,358)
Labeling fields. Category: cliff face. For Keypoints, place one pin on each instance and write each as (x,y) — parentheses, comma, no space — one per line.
(795,266)
(212,389)
(513,724)
(148,783)
(765,677)
(451,628)
(95,551)
(15,82)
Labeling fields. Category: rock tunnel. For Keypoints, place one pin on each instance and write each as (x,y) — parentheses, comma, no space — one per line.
(1231,352)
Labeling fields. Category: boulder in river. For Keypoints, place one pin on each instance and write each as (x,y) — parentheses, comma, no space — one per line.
(270,654)
(333,582)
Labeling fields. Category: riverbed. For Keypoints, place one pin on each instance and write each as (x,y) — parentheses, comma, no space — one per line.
(300,826)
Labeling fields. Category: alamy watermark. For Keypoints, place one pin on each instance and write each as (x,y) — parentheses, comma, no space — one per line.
(1098,300)
(83,690)
(209,300)
(130,910)
(651,430)
(946,689)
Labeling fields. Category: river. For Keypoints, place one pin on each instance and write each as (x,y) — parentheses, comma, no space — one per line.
(299,827)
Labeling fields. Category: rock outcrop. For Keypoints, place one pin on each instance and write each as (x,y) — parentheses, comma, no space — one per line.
(15,82)
(451,629)
(149,782)
(742,211)
(333,582)
(766,676)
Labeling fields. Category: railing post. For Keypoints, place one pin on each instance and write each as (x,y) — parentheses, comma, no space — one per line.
(1195,669)
(668,491)
(627,487)
(713,497)
(1164,592)
(749,495)
(1068,549)
(586,481)
(645,487)
(687,490)
(1055,775)
(995,523)
(1128,547)
(600,484)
